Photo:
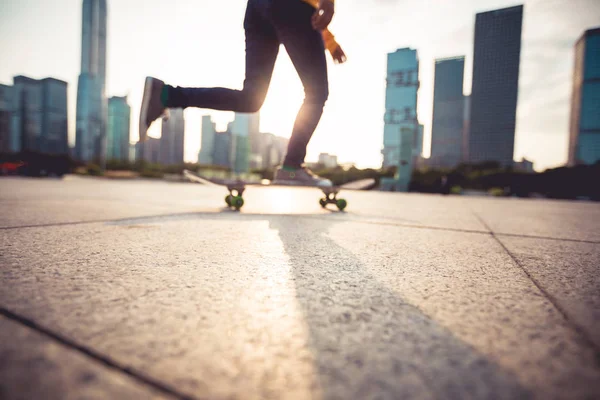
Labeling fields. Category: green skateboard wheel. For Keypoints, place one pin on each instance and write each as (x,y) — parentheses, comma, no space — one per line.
(323,202)
(228,199)
(341,204)
(237,202)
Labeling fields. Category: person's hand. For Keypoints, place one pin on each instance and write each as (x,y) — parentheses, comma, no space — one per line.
(324,14)
(338,55)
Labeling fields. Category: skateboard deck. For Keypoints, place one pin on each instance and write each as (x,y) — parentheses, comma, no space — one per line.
(236,188)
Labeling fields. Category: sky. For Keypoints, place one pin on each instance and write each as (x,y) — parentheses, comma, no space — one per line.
(200,43)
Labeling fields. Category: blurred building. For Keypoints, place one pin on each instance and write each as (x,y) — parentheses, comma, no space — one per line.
(251,123)
(5,118)
(524,165)
(275,149)
(26,129)
(119,118)
(39,116)
(466,128)
(240,153)
(92,107)
(148,151)
(222,149)
(132,154)
(55,127)
(207,141)
(418,149)
(328,160)
(448,112)
(242,146)
(496,60)
(172,140)
(584,135)
(401,124)
(246,142)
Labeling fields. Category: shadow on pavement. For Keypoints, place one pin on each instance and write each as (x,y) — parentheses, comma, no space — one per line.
(368,342)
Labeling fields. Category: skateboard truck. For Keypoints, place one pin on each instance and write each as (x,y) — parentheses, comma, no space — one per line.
(236,190)
(331,198)
(235,200)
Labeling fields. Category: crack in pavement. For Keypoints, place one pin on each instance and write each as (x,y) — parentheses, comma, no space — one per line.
(106,361)
(574,325)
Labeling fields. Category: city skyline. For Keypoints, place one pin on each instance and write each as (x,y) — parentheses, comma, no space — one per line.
(543,109)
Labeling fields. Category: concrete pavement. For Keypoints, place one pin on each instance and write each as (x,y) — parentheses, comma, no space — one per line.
(143,289)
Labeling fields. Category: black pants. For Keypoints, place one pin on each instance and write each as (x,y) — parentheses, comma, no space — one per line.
(269,23)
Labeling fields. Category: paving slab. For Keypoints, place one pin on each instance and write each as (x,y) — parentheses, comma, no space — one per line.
(73,199)
(569,220)
(226,305)
(33,366)
(569,272)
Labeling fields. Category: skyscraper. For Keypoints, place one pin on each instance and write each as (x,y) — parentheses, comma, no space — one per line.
(497,55)
(26,130)
(39,116)
(92,107)
(466,128)
(172,138)
(55,130)
(275,149)
(244,129)
(584,135)
(448,112)
(222,149)
(401,122)
(207,142)
(418,148)
(257,142)
(119,118)
(5,118)
(148,151)
(132,151)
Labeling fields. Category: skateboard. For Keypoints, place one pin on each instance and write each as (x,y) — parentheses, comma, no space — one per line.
(236,190)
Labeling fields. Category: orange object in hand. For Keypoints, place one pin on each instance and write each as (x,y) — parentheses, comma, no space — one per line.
(321,19)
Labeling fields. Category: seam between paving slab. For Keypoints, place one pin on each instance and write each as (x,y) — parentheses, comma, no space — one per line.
(441,228)
(546,238)
(93,221)
(370,222)
(578,329)
(106,361)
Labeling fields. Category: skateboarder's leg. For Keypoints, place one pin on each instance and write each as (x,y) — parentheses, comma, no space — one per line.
(262,46)
(292,20)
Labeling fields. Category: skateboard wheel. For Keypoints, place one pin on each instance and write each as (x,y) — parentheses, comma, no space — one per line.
(237,202)
(341,204)
(323,202)
(228,199)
